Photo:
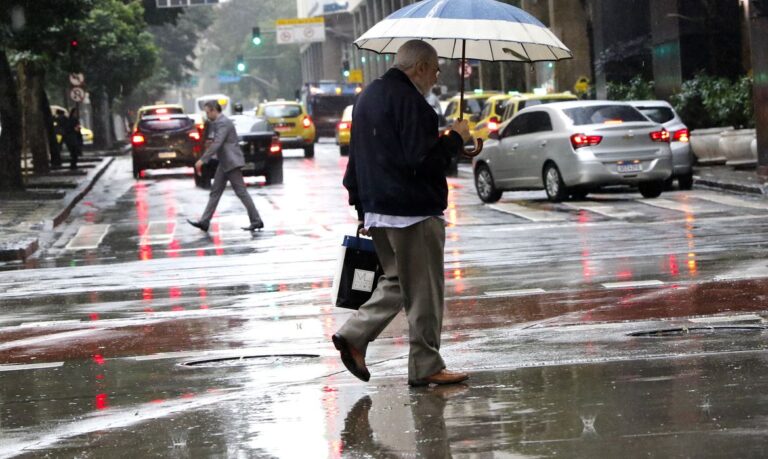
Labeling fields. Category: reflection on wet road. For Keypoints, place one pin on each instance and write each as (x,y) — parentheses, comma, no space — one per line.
(541,300)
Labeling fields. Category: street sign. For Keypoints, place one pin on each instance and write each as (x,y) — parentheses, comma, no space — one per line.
(300,30)
(76,79)
(355,76)
(467,70)
(77,94)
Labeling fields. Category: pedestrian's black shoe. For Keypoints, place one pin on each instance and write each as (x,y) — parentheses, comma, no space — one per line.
(254,226)
(198,225)
(351,358)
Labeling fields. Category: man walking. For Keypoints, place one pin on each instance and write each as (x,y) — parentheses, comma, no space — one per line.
(396,181)
(231,161)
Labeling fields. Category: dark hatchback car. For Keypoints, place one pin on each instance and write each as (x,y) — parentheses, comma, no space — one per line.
(162,141)
(261,148)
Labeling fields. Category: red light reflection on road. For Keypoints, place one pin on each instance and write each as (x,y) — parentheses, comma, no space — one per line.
(216,230)
(98,359)
(142,218)
(674,268)
(102,401)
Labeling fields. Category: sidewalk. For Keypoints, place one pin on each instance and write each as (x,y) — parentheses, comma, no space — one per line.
(728,178)
(45,204)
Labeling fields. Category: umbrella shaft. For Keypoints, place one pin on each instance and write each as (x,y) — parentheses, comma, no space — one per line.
(461,84)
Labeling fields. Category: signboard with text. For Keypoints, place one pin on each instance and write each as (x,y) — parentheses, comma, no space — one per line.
(300,30)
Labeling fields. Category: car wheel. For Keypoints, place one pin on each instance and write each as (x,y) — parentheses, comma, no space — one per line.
(274,175)
(136,171)
(309,151)
(344,150)
(553,184)
(484,185)
(685,182)
(651,189)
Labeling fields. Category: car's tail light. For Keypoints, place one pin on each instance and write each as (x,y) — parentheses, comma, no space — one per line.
(681,136)
(138,139)
(194,135)
(275,147)
(344,125)
(583,140)
(161,111)
(660,136)
(493,124)
(306,122)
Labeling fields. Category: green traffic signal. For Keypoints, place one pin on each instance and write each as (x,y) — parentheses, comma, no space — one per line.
(256,36)
(241,66)
(256,41)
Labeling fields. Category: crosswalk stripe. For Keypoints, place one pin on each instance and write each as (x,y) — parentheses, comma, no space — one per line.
(528,214)
(731,201)
(630,284)
(521,292)
(29,366)
(88,237)
(604,210)
(679,206)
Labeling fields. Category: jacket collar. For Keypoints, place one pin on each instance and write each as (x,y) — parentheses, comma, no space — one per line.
(396,74)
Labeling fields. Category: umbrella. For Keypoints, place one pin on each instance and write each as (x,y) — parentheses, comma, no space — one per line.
(485,30)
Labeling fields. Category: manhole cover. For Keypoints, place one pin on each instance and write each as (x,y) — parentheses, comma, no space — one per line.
(683,331)
(251,360)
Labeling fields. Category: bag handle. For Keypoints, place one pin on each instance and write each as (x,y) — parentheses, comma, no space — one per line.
(360,227)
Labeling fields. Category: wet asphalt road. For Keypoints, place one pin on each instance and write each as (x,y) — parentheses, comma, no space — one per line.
(610,326)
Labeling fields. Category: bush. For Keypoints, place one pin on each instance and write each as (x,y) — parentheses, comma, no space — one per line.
(636,89)
(707,101)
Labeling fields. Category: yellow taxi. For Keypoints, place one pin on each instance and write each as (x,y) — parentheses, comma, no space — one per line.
(344,131)
(292,123)
(519,101)
(491,116)
(474,103)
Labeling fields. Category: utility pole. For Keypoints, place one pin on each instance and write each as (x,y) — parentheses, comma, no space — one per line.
(758,26)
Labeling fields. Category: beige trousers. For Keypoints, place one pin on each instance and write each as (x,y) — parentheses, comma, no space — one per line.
(412,260)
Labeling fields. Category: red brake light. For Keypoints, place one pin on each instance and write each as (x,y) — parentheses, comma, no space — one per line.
(660,136)
(344,125)
(194,135)
(582,140)
(681,136)
(275,147)
(161,111)
(306,122)
(493,124)
(137,139)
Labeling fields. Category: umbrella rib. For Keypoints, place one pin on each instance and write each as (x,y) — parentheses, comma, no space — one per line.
(490,47)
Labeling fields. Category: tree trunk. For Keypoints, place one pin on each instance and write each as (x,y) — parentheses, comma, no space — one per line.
(50,132)
(33,124)
(10,138)
(102,134)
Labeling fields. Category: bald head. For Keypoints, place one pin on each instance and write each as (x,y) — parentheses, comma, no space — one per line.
(414,52)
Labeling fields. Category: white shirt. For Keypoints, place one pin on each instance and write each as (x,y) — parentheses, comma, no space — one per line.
(373,220)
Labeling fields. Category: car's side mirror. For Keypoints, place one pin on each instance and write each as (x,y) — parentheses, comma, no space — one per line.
(494,135)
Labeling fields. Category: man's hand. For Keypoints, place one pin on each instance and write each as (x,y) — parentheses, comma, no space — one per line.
(199,167)
(462,128)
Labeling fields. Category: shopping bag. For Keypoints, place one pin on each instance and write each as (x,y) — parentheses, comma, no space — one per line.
(357,272)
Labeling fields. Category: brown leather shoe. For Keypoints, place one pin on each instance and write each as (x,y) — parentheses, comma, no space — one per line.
(441,377)
(351,358)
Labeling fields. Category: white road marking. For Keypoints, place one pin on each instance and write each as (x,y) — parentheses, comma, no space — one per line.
(29,366)
(52,323)
(732,201)
(631,284)
(602,209)
(528,214)
(529,291)
(159,232)
(730,318)
(687,207)
(88,237)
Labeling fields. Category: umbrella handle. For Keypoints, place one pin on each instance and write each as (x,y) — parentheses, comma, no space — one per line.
(476,150)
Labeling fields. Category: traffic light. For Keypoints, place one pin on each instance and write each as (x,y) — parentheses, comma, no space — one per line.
(256,36)
(240,66)
(345,68)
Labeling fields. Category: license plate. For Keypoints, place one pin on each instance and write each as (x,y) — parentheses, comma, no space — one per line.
(166,155)
(629,167)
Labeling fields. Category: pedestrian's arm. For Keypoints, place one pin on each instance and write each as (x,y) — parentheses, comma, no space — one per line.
(350,183)
(421,141)
(218,140)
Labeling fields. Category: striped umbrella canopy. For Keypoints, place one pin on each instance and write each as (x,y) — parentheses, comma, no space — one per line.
(485,30)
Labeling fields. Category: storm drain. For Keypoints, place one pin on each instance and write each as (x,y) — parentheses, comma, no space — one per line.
(699,330)
(271,360)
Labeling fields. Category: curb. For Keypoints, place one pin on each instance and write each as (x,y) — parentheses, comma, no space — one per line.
(729,186)
(30,246)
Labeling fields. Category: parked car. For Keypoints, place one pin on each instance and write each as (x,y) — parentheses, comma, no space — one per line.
(473,108)
(161,141)
(261,148)
(292,123)
(573,148)
(344,131)
(662,112)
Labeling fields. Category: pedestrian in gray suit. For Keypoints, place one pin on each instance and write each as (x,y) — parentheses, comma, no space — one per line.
(231,161)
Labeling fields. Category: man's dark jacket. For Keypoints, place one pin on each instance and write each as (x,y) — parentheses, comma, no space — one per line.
(397,159)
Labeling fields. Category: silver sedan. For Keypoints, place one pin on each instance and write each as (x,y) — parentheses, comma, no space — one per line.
(573,148)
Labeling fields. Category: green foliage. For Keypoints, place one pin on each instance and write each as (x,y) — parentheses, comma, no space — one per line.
(707,101)
(636,89)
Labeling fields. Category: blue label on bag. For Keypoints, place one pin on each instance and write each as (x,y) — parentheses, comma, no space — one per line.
(358,243)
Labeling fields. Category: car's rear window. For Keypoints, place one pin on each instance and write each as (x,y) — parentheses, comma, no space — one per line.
(658,114)
(164,111)
(282,111)
(598,114)
(165,124)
